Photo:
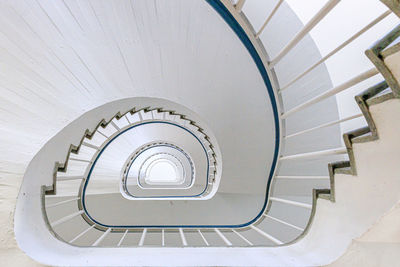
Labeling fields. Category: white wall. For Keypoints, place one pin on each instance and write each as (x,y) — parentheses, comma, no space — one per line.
(10,254)
(378,247)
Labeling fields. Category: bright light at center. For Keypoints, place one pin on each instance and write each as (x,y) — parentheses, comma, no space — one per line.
(162,171)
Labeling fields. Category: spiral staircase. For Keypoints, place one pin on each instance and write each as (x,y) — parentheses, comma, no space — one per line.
(224,149)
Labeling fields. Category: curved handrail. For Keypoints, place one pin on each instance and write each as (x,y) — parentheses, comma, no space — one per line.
(133,157)
(210,161)
(74,149)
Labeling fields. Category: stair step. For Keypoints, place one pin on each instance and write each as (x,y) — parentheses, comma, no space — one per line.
(344,170)
(381,97)
(363,138)
(325,196)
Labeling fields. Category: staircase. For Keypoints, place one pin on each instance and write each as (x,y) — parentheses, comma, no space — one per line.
(289,230)
(94,143)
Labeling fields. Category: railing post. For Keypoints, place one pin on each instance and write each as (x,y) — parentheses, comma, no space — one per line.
(304,31)
(203,237)
(101,238)
(122,238)
(269,18)
(221,235)
(183,238)
(143,237)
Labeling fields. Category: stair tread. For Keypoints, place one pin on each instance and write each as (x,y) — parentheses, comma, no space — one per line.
(344,170)
(363,138)
(381,97)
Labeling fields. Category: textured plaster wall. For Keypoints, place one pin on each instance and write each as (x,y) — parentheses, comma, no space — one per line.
(10,254)
(379,247)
